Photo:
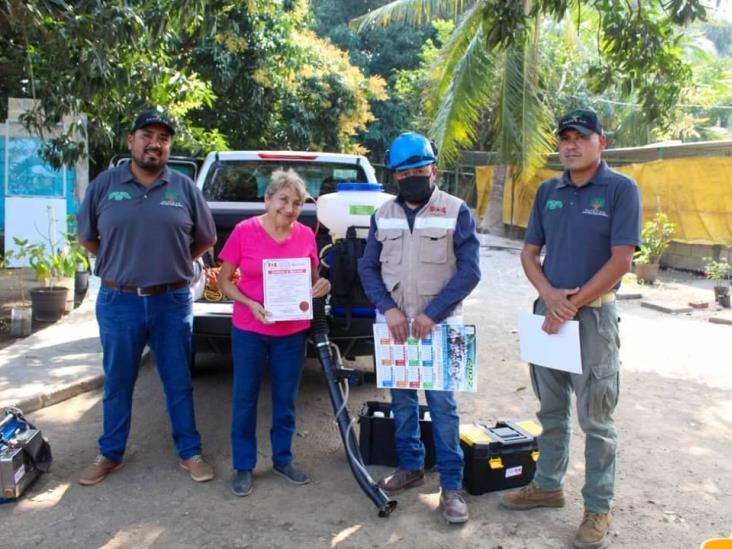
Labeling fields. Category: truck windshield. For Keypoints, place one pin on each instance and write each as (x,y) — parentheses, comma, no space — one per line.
(246,180)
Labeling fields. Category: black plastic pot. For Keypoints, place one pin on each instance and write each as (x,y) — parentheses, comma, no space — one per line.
(81,285)
(81,282)
(48,303)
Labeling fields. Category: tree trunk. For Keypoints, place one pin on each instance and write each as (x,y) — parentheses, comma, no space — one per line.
(492,221)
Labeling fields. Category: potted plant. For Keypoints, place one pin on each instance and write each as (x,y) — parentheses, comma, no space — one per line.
(56,268)
(655,239)
(718,271)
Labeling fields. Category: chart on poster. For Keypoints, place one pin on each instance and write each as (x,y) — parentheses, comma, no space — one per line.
(443,361)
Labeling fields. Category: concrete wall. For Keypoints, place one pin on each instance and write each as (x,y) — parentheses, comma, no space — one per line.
(691,257)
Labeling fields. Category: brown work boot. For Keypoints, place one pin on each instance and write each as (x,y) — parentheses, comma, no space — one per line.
(454,508)
(199,470)
(98,470)
(400,480)
(592,533)
(530,496)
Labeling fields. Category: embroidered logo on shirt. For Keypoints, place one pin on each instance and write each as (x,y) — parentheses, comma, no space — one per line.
(170,198)
(437,210)
(119,195)
(597,203)
(554,204)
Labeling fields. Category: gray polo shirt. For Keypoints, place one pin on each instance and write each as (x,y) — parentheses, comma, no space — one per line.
(579,225)
(145,234)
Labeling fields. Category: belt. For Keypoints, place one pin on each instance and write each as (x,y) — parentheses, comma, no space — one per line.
(609,297)
(147,290)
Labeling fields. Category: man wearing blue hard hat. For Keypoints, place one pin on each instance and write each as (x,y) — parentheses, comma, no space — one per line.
(421,261)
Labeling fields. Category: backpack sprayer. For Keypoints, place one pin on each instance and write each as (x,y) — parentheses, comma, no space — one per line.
(347,214)
(336,379)
(349,207)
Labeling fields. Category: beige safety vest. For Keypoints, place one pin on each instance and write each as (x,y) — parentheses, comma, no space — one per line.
(416,265)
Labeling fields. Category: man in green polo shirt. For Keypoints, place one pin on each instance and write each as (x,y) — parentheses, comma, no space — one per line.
(588,221)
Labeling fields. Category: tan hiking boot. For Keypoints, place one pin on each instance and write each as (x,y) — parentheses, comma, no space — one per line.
(199,470)
(592,533)
(97,471)
(530,496)
(401,479)
(454,507)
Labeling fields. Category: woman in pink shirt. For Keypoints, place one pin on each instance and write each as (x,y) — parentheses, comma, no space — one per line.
(258,343)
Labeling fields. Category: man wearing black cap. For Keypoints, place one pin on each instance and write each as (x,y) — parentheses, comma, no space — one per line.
(588,219)
(146,224)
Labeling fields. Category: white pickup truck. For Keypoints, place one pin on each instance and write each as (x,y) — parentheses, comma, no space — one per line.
(233,183)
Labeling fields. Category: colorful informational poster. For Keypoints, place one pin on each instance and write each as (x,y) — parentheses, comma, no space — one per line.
(443,361)
(287,289)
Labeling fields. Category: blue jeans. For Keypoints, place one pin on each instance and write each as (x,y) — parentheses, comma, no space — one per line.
(596,389)
(127,322)
(254,353)
(445,432)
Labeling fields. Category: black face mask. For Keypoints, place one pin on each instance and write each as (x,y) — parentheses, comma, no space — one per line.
(416,189)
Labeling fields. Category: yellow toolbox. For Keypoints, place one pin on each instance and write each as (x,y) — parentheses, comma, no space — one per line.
(499,457)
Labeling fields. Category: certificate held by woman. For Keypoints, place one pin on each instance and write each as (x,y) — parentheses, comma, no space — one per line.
(287,289)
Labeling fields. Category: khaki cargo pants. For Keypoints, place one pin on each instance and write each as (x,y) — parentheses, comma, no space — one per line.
(597,395)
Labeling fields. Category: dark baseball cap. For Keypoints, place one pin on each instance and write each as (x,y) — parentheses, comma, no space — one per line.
(584,121)
(153,116)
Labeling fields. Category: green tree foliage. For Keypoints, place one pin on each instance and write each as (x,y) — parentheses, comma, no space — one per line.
(410,84)
(235,74)
(278,84)
(705,110)
(702,112)
(498,47)
(379,51)
(105,59)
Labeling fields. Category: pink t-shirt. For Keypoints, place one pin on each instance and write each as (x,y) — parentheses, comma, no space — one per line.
(246,247)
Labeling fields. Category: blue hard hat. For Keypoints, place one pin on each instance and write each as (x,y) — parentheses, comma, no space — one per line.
(410,150)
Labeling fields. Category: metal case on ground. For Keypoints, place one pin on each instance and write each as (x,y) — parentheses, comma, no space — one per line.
(18,442)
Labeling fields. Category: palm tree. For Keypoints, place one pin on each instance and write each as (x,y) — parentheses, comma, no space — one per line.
(471,72)
(494,53)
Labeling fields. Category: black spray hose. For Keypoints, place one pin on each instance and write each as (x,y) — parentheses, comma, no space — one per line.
(322,346)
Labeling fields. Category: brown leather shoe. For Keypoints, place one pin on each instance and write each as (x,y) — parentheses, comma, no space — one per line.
(454,508)
(530,496)
(592,533)
(97,471)
(199,470)
(401,479)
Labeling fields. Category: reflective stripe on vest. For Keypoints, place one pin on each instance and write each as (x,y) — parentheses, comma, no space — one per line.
(392,223)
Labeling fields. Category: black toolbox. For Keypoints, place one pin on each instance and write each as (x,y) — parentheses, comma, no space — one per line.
(376,435)
(500,457)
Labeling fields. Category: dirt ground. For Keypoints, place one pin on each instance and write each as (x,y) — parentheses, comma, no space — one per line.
(674,474)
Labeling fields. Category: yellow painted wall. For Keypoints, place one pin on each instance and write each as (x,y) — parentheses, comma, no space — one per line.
(483,185)
(696,194)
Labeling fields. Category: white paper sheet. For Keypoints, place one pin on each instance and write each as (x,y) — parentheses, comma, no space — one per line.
(287,289)
(560,351)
